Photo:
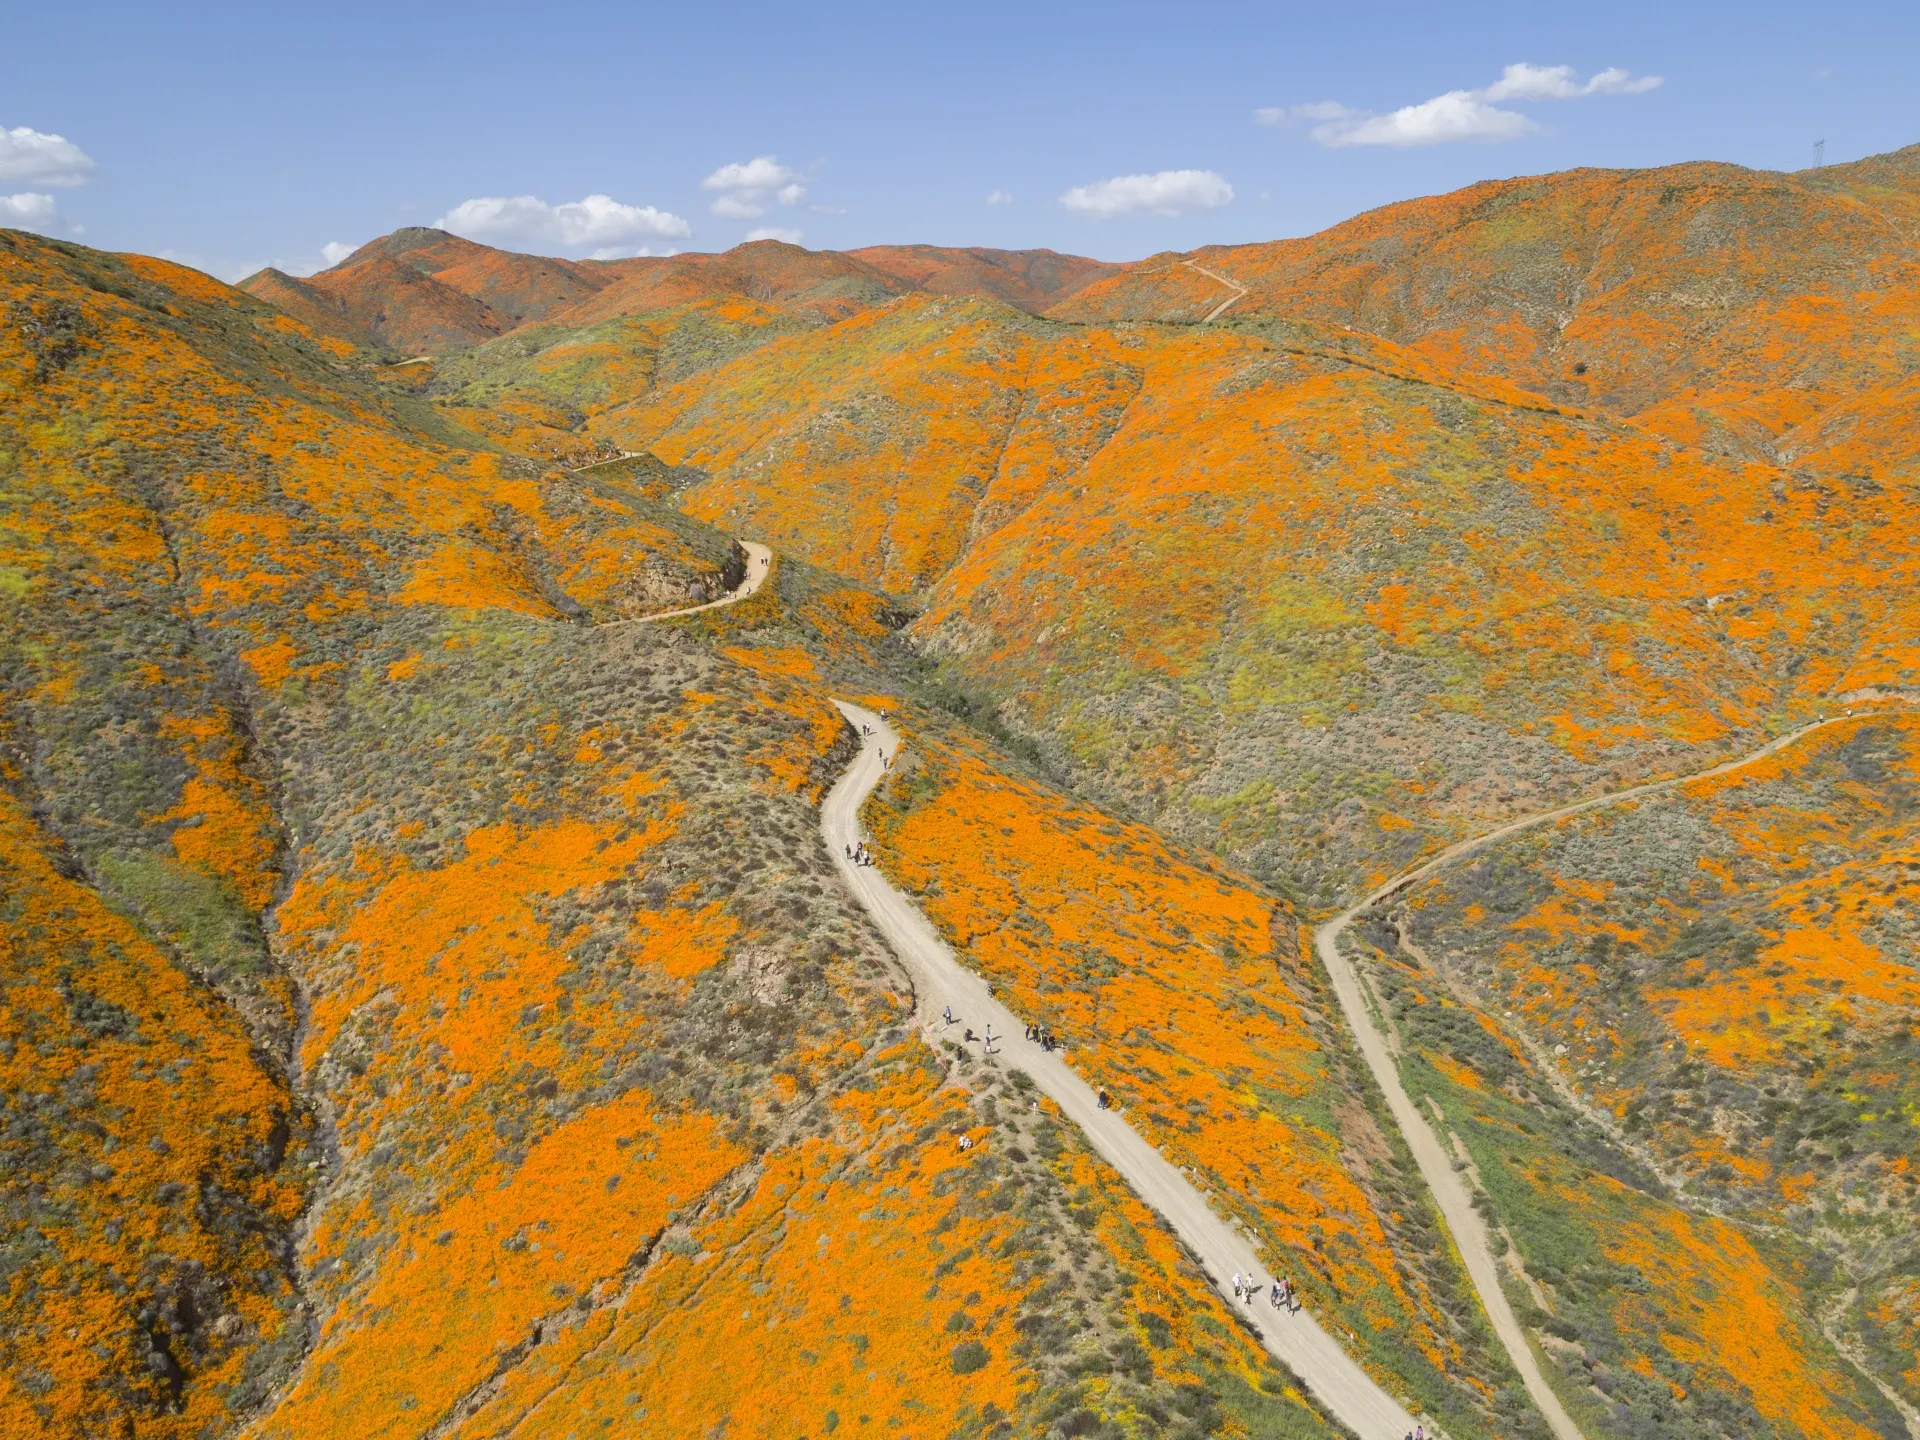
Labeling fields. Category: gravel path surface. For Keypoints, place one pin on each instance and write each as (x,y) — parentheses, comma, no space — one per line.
(941,981)
(1436,1162)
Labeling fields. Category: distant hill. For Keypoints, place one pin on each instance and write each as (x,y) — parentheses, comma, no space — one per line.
(1029,279)
(424,291)
(1719,305)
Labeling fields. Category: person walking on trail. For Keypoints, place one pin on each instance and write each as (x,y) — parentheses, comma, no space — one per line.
(1106,1100)
(1236,1284)
(947,1014)
(1273,1300)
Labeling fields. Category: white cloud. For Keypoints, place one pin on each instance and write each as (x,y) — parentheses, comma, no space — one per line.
(43,159)
(999,197)
(775,232)
(1458,114)
(763,172)
(525,220)
(748,189)
(30,211)
(1556,82)
(333,252)
(1166,192)
(628,252)
(1318,110)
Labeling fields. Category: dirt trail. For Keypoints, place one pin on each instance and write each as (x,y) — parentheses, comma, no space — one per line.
(1239,290)
(1377,1044)
(941,981)
(759,566)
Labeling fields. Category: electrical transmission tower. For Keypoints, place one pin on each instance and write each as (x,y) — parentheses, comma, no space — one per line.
(1819,153)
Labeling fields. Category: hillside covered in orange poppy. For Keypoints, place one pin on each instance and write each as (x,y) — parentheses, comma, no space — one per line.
(429,1008)
(426,993)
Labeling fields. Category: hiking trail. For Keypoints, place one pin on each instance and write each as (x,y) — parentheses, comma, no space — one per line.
(759,566)
(1377,1044)
(1333,1375)
(1239,290)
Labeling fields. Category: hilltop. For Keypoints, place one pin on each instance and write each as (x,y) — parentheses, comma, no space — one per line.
(424,291)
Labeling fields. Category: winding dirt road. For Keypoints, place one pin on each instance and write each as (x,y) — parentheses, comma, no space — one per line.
(1239,290)
(1436,1162)
(940,980)
(759,566)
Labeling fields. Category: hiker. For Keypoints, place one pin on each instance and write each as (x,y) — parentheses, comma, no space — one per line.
(1105,1102)
(849,852)
(947,1014)
(1274,1299)
(968,1037)
(1236,1284)
(966,1142)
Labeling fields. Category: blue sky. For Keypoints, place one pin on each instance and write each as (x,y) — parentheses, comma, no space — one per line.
(234,136)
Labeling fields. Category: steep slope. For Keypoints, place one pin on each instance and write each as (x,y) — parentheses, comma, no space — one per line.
(1721,306)
(430,1009)
(1723,976)
(321,311)
(1306,602)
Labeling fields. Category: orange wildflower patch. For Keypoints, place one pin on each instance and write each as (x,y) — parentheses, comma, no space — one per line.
(160,1197)
(463,1285)
(1167,980)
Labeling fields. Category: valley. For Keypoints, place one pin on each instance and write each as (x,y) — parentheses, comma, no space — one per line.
(1427,720)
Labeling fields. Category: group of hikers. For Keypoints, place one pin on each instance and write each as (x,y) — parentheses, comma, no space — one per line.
(1041,1035)
(946,1015)
(1281,1294)
(1046,1037)
(859,854)
(886,761)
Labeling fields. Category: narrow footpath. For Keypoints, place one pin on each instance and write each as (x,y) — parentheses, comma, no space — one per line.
(759,566)
(1435,1161)
(940,980)
(1239,290)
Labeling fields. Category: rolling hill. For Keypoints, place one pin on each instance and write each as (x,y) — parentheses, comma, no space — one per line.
(429,1007)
